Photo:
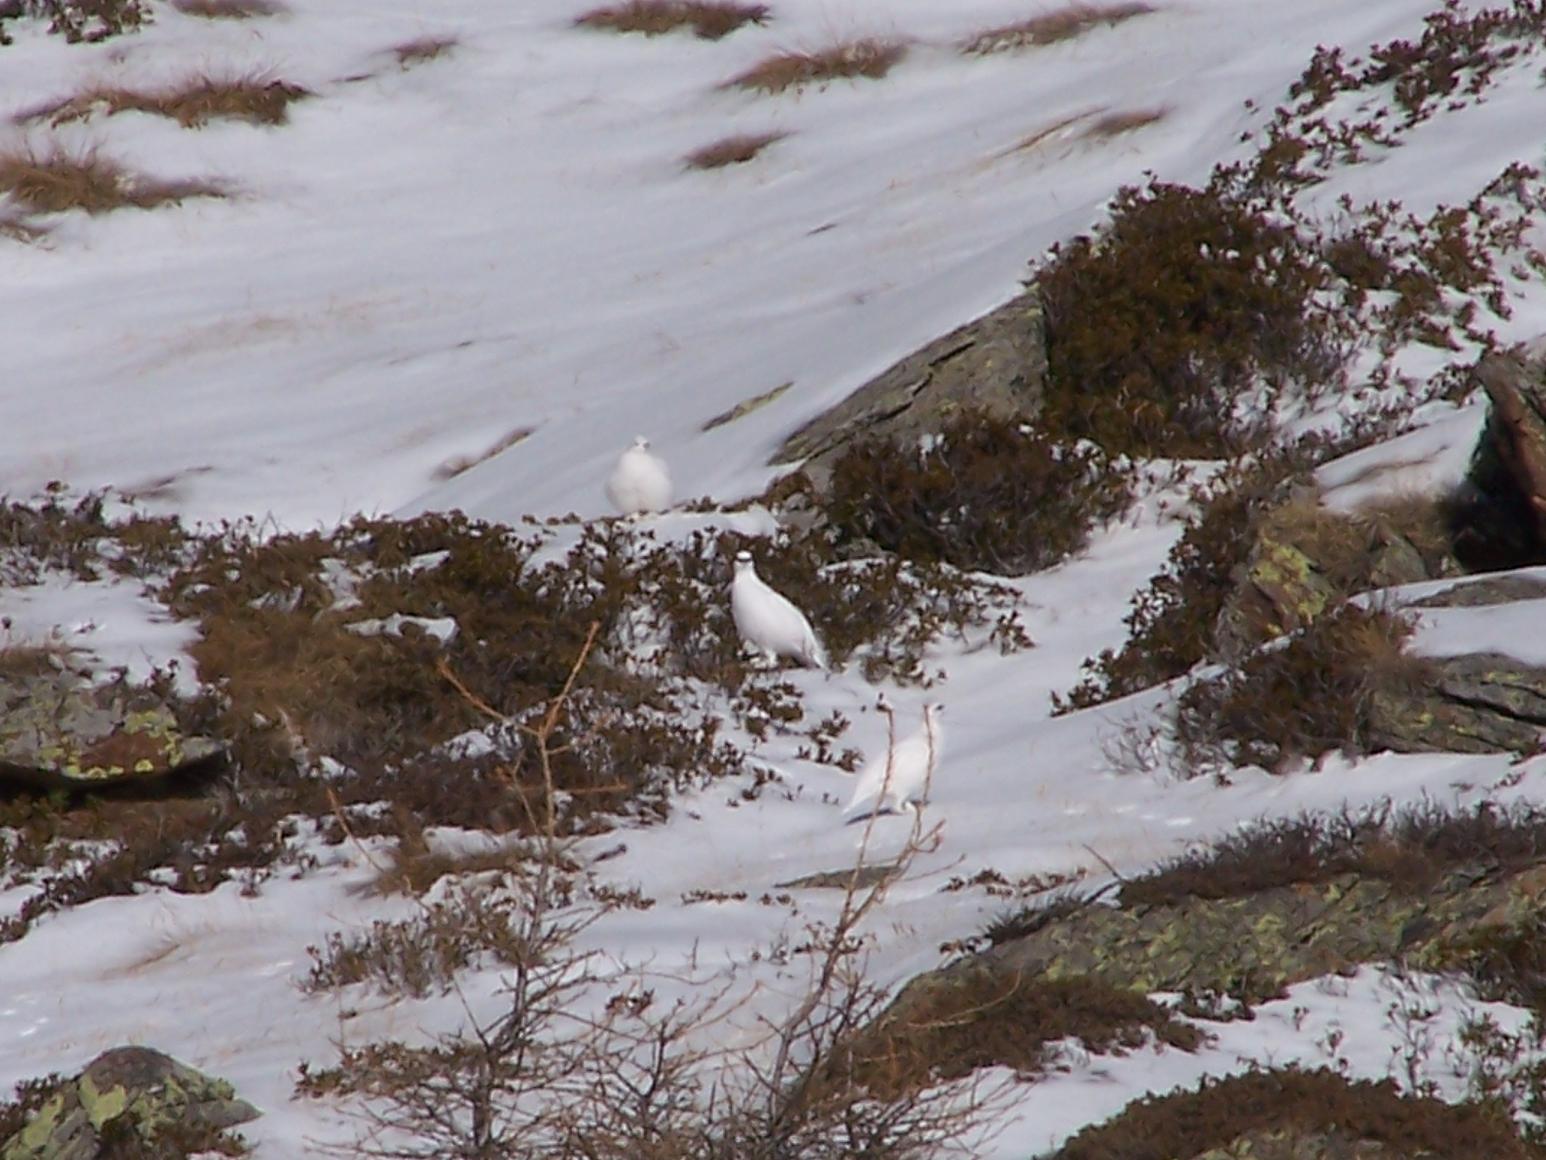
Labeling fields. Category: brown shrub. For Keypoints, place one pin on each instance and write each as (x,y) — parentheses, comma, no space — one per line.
(1173,622)
(81,20)
(989,495)
(732,150)
(192,104)
(1051,27)
(1411,849)
(1302,700)
(229,9)
(871,59)
(1159,325)
(709,19)
(1221,1111)
(946,1026)
(57,181)
(423,49)
(1109,125)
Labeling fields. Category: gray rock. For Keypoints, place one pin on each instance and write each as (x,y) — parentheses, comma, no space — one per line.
(1479,703)
(59,730)
(133,1088)
(996,364)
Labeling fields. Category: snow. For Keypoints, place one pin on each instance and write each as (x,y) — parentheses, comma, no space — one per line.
(426,261)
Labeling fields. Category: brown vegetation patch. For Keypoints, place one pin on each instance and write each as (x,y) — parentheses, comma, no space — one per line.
(421,956)
(422,50)
(1175,620)
(948,1024)
(56,181)
(1306,699)
(1411,850)
(733,150)
(1311,1103)
(454,466)
(229,9)
(709,20)
(990,494)
(1109,125)
(195,103)
(1160,324)
(869,58)
(1052,27)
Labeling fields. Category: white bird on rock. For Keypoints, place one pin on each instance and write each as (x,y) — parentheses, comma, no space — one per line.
(767,620)
(896,780)
(640,482)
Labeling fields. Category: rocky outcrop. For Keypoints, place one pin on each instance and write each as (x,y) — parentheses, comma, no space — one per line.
(1479,703)
(169,1107)
(61,731)
(996,365)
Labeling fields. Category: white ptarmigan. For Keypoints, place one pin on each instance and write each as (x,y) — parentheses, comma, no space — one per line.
(767,620)
(897,779)
(640,482)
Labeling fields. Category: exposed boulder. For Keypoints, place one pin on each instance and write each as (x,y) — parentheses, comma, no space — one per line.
(1479,703)
(1500,519)
(60,730)
(131,1095)
(1306,559)
(995,365)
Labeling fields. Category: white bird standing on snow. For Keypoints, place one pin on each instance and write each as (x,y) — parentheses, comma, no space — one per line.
(768,622)
(896,780)
(640,482)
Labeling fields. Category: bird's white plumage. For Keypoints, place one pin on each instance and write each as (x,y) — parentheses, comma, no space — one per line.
(767,620)
(897,778)
(640,482)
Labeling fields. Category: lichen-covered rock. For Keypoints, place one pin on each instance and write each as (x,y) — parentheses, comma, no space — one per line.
(172,1108)
(995,365)
(59,730)
(1478,703)
(1253,946)
(1305,559)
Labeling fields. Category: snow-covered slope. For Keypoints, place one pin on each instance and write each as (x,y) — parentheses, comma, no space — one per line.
(426,261)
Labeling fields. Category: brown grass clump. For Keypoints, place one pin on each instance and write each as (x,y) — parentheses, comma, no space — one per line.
(192,104)
(56,181)
(424,49)
(229,9)
(869,58)
(948,1025)
(709,19)
(1354,1113)
(1051,27)
(990,495)
(1109,125)
(733,150)
(1412,850)
(1305,699)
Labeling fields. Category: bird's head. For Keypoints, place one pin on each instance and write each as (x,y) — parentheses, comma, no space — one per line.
(640,443)
(743,560)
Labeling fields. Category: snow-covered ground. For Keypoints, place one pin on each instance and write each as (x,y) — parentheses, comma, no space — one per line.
(427,260)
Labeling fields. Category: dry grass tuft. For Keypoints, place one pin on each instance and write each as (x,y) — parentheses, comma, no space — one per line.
(709,20)
(869,58)
(733,150)
(193,104)
(1052,27)
(1354,1117)
(1110,125)
(457,464)
(945,1027)
(56,182)
(229,9)
(422,50)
